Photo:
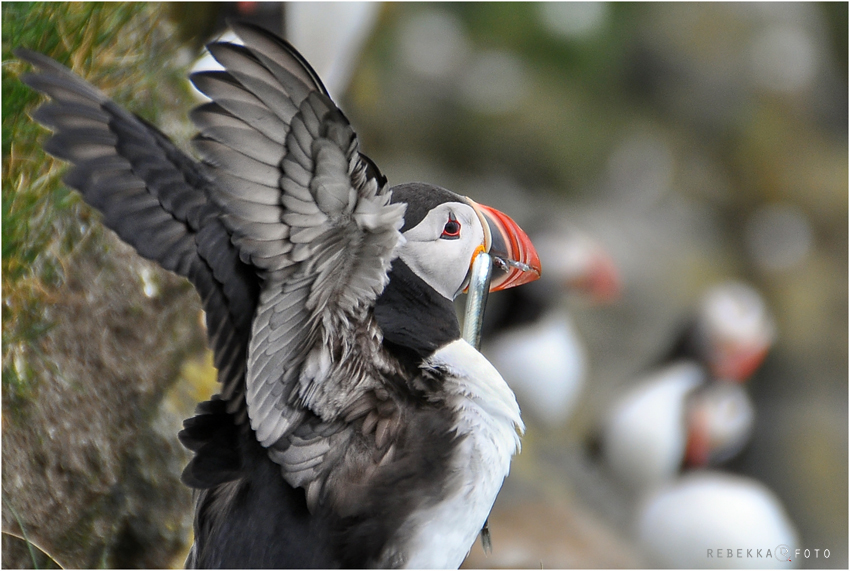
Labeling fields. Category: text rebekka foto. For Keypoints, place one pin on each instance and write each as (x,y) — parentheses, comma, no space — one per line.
(781,553)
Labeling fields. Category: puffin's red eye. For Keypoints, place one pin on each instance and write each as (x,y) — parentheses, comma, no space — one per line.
(451,231)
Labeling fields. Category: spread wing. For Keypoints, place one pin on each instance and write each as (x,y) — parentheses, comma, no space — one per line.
(314,217)
(155,198)
(285,229)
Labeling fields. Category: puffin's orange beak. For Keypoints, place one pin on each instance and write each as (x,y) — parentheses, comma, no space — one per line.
(739,363)
(515,261)
(600,280)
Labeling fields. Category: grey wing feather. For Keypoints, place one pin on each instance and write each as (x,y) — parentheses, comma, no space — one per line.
(283,61)
(237,164)
(250,73)
(251,143)
(224,90)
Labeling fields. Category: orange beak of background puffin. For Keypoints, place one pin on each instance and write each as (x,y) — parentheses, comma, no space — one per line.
(515,261)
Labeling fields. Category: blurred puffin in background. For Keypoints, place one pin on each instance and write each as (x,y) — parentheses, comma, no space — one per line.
(692,413)
(692,409)
(529,335)
(355,427)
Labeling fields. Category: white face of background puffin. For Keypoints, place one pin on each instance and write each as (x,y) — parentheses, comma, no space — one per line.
(440,248)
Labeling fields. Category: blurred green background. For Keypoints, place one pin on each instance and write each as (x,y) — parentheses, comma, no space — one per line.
(697,142)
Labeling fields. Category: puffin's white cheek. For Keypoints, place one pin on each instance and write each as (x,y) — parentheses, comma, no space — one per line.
(441,264)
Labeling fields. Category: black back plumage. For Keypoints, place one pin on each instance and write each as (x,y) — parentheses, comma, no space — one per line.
(237,485)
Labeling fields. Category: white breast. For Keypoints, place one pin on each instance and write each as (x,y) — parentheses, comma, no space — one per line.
(488,415)
(693,521)
(644,437)
(545,363)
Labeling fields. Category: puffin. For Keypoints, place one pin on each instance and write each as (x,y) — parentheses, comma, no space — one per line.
(354,426)
(692,410)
